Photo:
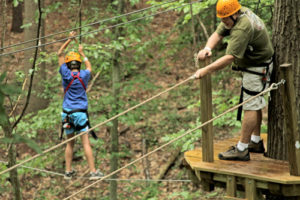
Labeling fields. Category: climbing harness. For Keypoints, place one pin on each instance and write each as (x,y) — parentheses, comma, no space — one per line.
(67,124)
(266,79)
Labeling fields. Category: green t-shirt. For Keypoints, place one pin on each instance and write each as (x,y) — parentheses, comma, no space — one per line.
(249,41)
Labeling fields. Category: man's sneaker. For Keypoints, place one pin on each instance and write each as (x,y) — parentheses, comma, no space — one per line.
(69,175)
(256,147)
(96,175)
(234,154)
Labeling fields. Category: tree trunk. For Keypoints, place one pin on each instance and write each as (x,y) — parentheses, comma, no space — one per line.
(286,27)
(36,101)
(116,91)
(6,126)
(13,174)
(3,19)
(17,18)
(43,48)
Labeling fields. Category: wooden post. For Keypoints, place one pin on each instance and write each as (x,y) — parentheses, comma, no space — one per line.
(231,186)
(206,114)
(292,134)
(207,181)
(250,189)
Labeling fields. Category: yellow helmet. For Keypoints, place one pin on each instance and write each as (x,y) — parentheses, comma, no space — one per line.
(72,56)
(226,8)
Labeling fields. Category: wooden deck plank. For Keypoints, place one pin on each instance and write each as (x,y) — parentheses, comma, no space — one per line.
(258,168)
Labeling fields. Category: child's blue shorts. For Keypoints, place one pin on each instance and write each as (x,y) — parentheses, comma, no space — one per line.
(78,119)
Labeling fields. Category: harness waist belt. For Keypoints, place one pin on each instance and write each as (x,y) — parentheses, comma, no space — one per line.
(77,128)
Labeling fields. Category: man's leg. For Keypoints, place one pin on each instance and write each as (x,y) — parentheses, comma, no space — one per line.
(88,152)
(251,124)
(256,144)
(69,153)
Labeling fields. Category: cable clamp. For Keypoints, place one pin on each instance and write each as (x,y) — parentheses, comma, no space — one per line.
(275,86)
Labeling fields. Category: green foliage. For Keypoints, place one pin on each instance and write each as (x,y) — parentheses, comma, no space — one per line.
(16,2)
(22,139)
(5,90)
(223,100)
(47,119)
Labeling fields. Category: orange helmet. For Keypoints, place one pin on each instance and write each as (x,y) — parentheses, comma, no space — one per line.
(72,56)
(226,8)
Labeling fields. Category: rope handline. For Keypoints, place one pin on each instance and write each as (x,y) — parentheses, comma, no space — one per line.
(274,86)
(94,23)
(100,124)
(145,180)
(92,32)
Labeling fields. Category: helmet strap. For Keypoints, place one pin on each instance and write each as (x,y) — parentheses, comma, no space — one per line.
(234,20)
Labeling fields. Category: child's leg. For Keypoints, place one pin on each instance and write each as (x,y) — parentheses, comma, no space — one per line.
(88,152)
(69,153)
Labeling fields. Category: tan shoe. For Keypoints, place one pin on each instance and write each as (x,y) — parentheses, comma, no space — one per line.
(234,154)
(256,147)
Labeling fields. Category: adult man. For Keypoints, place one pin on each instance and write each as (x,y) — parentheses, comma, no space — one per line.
(251,50)
(75,105)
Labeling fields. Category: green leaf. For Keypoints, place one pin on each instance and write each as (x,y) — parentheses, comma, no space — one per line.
(2,77)
(22,139)
(26,25)
(15,3)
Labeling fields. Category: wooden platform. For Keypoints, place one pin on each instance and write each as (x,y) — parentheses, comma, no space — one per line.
(259,175)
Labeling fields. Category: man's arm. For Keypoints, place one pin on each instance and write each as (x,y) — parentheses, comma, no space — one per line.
(60,54)
(212,42)
(217,65)
(85,60)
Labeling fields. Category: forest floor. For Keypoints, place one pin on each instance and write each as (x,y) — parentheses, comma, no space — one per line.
(34,186)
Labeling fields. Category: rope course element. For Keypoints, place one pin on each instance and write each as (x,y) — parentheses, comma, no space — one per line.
(274,86)
(100,124)
(91,24)
(129,180)
(96,31)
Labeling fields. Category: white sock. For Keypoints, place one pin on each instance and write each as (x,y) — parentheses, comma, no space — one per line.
(242,146)
(255,138)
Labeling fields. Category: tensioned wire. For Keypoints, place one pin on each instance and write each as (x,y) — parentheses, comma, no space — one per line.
(91,24)
(113,179)
(100,124)
(274,86)
(92,32)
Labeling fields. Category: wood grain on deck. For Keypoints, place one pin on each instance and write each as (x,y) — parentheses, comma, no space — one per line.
(259,167)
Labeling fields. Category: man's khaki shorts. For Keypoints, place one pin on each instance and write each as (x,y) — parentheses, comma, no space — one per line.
(254,82)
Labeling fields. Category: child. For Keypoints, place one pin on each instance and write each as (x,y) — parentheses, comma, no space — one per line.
(75,105)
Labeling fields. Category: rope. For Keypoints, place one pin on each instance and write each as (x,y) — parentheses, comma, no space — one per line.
(36,169)
(142,180)
(274,86)
(94,23)
(100,124)
(92,32)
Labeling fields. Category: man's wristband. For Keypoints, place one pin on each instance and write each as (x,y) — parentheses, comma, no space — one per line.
(85,59)
(207,48)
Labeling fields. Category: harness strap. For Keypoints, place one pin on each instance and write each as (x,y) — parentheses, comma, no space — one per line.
(249,92)
(74,77)
(252,93)
(78,128)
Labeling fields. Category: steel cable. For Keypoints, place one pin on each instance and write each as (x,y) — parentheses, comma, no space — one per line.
(112,179)
(91,24)
(92,32)
(100,124)
(274,86)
